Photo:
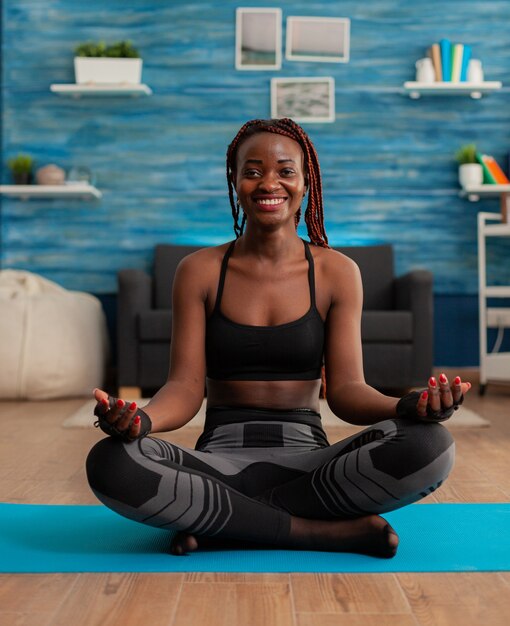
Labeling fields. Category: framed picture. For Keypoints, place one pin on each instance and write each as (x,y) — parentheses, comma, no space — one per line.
(258,39)
(323,39)
(303,99)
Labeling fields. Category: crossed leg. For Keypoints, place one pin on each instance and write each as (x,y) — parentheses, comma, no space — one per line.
(323,499)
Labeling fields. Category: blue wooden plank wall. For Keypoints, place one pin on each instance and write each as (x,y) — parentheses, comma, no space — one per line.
(387,161)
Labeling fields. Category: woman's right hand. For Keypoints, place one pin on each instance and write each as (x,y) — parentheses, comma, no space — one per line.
(117,414)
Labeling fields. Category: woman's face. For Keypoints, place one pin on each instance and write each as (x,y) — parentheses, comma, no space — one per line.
(270,178)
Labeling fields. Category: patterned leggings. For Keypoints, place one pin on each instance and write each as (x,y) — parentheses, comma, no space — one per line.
(252,469)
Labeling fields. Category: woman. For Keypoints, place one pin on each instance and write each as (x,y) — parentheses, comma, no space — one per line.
(256,319)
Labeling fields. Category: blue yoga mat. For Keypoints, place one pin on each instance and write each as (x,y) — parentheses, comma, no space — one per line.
(433,538)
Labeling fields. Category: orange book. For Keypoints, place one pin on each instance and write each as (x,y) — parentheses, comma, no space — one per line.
(493,167)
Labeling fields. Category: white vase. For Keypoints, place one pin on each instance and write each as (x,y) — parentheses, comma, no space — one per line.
(475,71)
(425,71)
(93,70)
(470,174)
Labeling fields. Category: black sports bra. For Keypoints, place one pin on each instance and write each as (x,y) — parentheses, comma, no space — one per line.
(291,351)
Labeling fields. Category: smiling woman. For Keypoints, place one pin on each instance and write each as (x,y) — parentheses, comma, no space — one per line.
(255,320)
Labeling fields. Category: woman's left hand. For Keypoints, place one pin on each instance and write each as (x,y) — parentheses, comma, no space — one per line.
(437,402)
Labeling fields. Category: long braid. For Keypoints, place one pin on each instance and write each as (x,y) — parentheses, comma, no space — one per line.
(314,213)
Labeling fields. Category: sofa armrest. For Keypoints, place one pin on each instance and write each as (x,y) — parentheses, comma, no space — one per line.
(414,292)
(134,296)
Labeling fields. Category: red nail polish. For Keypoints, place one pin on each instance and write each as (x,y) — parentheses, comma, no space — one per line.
(132,406)
(457,380)
(120,403)
(104,402)
(137,420)
(425,395)
(432,381)
(443,379)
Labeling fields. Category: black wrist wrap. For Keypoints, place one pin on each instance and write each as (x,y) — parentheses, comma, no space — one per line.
(111,429)
(407,408)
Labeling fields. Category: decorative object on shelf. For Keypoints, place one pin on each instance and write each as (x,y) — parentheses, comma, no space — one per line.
(21,169)
(492,173)
(470,171)
(50,175)
(425,70)
(79,174)
(475,71)
(97,63)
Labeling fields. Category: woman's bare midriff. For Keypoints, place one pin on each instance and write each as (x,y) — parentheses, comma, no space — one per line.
(270,394)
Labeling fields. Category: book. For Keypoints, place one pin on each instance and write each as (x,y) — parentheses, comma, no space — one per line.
(457,54)
(435,55)
(446,60)
(466,57)
(488,178)
(492,173)
(495,170)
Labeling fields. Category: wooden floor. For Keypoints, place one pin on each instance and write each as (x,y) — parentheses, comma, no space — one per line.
(40,462)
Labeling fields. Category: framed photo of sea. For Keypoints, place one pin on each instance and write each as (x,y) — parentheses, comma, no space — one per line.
(324,39)
(258,39)
(303,99)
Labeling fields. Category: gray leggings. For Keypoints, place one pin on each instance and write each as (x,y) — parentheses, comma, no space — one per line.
(254,468)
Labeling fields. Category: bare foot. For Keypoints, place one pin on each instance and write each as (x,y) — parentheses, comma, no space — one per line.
(370,535)
(183,543)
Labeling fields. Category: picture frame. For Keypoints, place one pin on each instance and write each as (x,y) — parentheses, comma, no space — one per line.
(258,38)
(310,99)
(318,39)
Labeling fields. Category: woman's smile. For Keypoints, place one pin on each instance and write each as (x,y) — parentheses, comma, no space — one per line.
(269,203)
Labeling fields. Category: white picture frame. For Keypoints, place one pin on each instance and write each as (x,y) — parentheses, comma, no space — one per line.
(318,39)
(310,99)
(258,38)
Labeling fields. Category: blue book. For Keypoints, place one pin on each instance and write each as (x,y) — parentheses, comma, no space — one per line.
(465,62)
(446,58)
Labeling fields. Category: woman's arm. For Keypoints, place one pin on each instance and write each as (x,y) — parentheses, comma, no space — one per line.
(179,400)
(348,395)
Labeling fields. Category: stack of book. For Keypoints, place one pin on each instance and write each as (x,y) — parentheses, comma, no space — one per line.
(450,61)
(492,173)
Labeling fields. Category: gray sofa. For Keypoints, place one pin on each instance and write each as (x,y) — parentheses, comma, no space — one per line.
(397,320)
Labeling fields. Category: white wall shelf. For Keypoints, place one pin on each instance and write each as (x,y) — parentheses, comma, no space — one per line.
(475,192)
(415,89)
(97,90)
(71,191)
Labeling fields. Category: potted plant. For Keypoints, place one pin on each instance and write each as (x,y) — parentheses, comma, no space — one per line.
(21,169)
(97,63)
(470,171)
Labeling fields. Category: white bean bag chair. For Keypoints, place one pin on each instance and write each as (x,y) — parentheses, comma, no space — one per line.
(53,342)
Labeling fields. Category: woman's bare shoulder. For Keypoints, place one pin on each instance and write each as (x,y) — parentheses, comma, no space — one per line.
(204,257)
(201,267)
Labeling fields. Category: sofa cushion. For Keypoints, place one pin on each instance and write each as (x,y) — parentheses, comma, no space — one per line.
(377,273)
(387,326)
(155,325)
(166,259)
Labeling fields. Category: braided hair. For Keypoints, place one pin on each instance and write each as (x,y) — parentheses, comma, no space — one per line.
(314,213)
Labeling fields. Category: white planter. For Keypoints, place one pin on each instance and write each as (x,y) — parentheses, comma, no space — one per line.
(470,174)
(92,70)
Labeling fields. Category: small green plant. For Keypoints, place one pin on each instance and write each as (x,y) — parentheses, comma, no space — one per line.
(119,50)
(21,164)
(466,154)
